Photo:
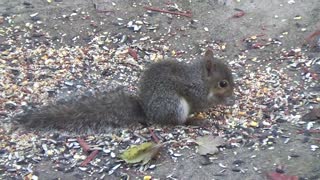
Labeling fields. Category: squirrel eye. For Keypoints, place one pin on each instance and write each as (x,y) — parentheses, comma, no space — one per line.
(223,84)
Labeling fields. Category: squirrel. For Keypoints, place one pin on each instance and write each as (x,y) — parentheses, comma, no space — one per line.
(168,92)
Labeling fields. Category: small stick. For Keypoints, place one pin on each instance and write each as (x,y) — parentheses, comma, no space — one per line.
(92,155)
(260,35)
(83,144)
(105,11)
(155,138)
(310,37)
(169,12)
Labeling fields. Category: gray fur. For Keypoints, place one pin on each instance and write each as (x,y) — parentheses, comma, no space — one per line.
(88,114)
(166,82)
(168,92)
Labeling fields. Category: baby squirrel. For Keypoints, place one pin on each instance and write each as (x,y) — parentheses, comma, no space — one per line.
(169,91)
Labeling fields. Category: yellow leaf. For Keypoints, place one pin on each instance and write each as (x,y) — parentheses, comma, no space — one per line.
(147,178)
(143,152)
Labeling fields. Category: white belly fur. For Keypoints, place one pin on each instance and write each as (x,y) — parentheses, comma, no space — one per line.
(185,109)
(210,95)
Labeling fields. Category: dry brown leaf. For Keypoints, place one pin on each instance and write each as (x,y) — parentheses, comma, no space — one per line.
(208,144)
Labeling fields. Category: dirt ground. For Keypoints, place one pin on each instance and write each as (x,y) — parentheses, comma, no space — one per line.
(212,21)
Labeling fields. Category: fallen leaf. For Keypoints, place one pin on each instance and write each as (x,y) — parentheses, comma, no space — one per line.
(143,152)
(279,176)
(28,176)
(208,144)
(133,53)
(147,177)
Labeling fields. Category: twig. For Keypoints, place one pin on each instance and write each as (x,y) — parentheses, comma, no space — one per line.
(169,12)
(92,155)
(155,138)
(83,144)
(311,36)
(105,11)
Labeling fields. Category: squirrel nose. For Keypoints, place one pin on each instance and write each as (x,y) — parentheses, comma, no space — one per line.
(230,101)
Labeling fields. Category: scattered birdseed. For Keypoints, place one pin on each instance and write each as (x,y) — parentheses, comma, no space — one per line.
(34,69)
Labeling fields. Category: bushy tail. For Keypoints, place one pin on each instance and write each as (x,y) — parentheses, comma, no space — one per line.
(87,114)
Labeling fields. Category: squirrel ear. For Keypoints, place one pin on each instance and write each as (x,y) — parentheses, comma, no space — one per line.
(208,57)
(208,54)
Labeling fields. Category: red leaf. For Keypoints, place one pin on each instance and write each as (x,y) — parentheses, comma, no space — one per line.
(313,35)
(279,176)
(83,144)
(133,53)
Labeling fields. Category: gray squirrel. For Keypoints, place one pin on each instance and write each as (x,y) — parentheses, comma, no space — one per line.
(168,92)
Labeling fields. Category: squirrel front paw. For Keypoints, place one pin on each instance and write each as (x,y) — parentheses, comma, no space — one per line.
(198,120)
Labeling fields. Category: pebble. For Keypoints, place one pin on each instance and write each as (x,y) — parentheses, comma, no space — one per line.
(291,2)
(205,160)
(238,162)
(236,170)
(314,147)
(153,166)
(294,155)
(33,15)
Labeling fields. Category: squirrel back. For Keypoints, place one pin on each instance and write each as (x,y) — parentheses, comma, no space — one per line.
(170,91)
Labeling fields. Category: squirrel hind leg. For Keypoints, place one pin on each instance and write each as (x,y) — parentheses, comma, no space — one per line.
(169,111)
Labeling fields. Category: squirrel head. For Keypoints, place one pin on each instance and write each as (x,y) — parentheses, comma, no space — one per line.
(220,80)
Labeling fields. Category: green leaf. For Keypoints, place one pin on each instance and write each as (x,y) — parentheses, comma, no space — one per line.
(208,144)
(143,152)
